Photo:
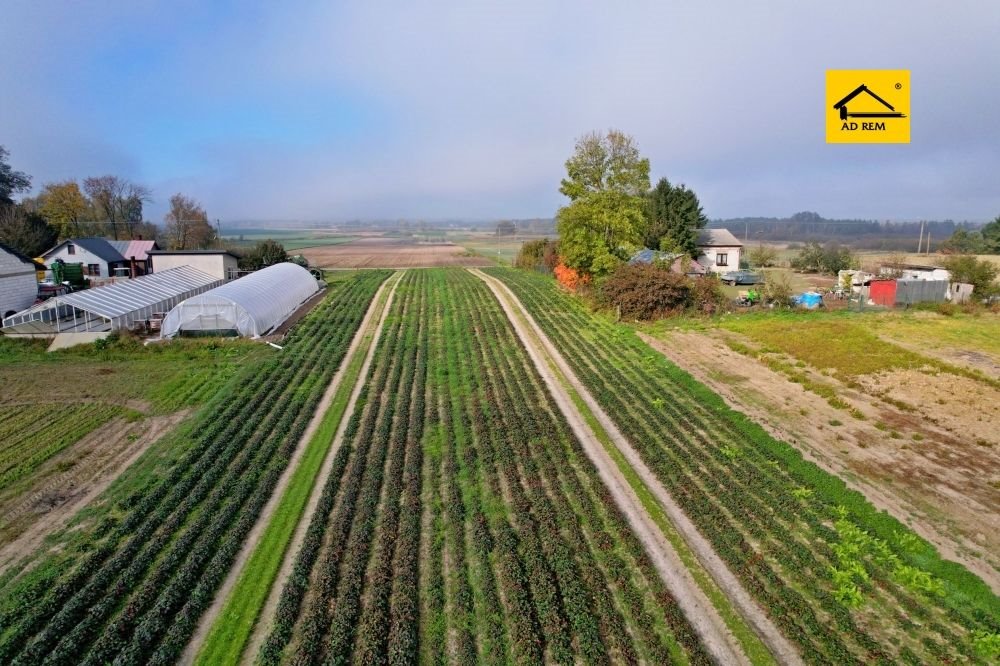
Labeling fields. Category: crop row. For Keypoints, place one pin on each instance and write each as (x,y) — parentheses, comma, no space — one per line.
(463,521)
(133,588)
(842,580)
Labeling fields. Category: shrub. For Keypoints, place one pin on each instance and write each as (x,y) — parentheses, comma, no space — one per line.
(706,295)
(981,274)
(538,255)
(829,258)
(763,256)
(645,291)
(776,288)
(570,278)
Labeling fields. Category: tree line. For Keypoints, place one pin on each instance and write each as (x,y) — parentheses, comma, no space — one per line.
(109,206)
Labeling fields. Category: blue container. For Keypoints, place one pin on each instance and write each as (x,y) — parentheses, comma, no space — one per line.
(810,300)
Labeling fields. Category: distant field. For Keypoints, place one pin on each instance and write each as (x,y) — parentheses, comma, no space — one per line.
(487,245)
(291,239)
(380,252)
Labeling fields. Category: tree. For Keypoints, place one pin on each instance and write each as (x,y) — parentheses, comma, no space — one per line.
(991,237)
(118,201)
(265,253)
(26,232)
(606,180)
(830,258)
(763,256)
(11,182)
(674,217)
(64,207)
(187,225)
(540,255)
(980,273)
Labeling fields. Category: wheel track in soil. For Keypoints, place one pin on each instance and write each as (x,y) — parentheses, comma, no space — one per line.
(250,543)
(711,628)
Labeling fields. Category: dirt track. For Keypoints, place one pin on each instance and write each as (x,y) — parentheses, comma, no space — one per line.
(97,460)
(711,628)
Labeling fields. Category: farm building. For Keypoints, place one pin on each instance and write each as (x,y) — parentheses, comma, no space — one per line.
(914,272)
(719,250)
(113,307)
(889,293)
(18,281)
(250,306)
(679,263)
(102,258)
(220,263)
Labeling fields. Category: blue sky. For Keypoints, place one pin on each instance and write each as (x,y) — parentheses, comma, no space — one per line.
(333,111)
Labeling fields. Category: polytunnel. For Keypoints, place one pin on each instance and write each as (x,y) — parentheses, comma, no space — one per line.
(250,306)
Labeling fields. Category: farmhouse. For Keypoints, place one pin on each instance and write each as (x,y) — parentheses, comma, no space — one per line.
(219,263)
(18,282)
(250,306)
(719,251)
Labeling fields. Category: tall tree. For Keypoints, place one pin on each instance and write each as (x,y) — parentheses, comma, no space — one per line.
(674,217)
(11,182)
(991,236)
(187,225)
(119,202)
(26,232)
(64,207)
(265,253)
(606,179)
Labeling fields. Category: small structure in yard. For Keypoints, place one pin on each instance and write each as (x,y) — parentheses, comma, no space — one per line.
(719,250)
(889,293)
(219,263)
(678,262)
(123,305)
(903,271)
(18,281)
(251,306)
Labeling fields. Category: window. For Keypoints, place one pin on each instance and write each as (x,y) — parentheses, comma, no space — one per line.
(71,249)
(721,259)
(94,269)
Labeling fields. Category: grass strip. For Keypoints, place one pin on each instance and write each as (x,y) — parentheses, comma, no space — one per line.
(753,646)
(231,631)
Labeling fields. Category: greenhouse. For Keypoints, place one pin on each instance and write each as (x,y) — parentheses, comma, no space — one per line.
(121,305)
(250,306)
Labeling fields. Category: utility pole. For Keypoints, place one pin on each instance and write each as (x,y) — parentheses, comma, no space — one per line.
(921,241)
(928,248)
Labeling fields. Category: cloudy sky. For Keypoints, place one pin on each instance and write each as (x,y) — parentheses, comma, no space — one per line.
(466,109)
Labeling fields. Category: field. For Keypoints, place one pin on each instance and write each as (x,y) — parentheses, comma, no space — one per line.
(451,465)
(844,581)
(291,239)
(387,252)
(131,581)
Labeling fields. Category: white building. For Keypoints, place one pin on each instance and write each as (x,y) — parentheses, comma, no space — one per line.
(98,256)
(18,282)
(219,263)
(718,250)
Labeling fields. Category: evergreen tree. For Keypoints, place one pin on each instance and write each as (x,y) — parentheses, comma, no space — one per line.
(674,217)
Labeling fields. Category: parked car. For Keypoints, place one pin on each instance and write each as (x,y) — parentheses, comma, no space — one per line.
(742,277)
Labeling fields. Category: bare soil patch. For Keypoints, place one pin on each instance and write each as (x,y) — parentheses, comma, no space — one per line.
(934,463)
(71,480)
(392,253)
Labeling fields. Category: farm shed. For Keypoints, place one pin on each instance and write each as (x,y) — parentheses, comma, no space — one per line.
(113,307)
(18,281)
(882,292)
(220,263)
(250,306)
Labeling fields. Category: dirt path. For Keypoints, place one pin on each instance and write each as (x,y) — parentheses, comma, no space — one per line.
(698,609)
(97,460)
(263,623)
(938,485)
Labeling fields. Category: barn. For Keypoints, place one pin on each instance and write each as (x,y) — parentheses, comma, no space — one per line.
(18,281)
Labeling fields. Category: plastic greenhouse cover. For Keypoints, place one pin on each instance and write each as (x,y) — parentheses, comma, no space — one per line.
(251,305)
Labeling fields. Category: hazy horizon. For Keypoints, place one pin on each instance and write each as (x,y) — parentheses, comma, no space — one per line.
(448,111)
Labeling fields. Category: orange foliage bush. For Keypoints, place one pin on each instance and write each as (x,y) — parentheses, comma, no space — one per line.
(570,278)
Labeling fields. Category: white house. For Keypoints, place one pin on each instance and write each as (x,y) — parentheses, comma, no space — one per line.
(18,282)
(219,263)
(98,256)
(718,250)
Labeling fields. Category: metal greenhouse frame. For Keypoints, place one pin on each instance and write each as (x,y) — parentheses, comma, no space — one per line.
(112,307)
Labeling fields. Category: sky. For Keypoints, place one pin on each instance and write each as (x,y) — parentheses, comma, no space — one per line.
(300,110)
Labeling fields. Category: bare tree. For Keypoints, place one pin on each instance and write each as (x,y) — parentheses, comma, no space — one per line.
(187,225)
(119,201)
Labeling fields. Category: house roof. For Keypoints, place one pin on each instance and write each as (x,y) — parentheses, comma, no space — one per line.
(183,252)
(717,238)
(134,248)
(23,259)
(647,256)
(857,91)
(100,247)
(913,267)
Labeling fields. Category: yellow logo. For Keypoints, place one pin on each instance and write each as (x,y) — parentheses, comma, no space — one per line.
(868,106)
